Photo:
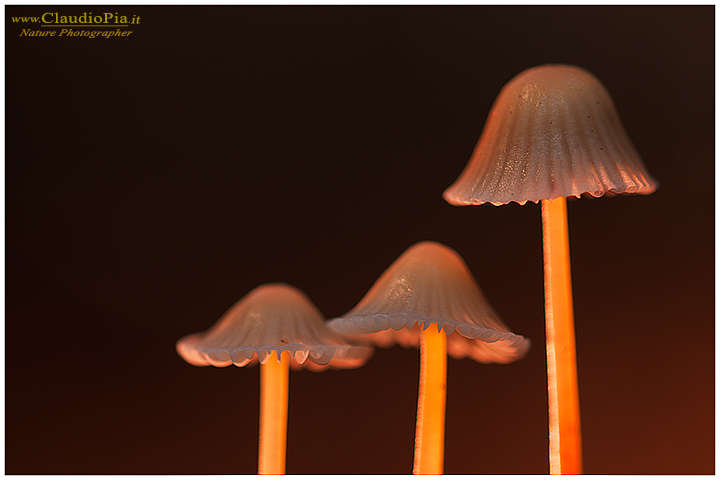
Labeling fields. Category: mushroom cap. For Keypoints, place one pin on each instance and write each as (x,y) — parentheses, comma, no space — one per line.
(431,284)
(552,132)
(272,318)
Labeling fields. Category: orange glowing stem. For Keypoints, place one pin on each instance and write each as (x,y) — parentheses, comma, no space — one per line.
(430,427)
(563,402)
(273,414)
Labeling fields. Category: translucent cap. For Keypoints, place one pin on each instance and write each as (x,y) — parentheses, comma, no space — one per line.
(552,132)
(430,284)
(272,318)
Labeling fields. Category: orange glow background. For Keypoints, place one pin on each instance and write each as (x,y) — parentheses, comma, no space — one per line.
(153,180)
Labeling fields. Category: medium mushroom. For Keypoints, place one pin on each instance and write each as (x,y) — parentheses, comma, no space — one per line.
(552,133)
(278,326)
(431,284)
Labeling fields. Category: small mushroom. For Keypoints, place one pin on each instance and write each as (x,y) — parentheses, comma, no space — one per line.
(552,133)
(278,326)
(431,284)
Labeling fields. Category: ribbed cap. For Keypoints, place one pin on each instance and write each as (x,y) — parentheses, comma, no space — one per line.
(552,132)
(272,318)
(431,284)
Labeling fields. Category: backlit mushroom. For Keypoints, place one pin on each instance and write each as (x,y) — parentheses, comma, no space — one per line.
(278,326)
(431,284)
(552,133)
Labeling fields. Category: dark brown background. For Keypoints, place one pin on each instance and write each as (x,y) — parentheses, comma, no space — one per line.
(153,180)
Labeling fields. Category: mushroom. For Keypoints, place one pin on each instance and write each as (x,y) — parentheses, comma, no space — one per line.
(552,133)
(431,284)
(278,326)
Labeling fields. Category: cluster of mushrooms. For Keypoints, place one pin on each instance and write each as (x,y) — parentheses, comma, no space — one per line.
(552,133)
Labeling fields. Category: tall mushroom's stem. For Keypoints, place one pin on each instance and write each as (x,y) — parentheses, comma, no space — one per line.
(564,408)
(273,414)
(430,428)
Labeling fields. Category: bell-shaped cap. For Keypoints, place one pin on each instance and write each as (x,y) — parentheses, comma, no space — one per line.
(552,132)
(272,318)
(431,284)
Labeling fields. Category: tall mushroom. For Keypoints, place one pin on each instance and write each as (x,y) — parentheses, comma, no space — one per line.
(552,133)
(431,284)
(278,326)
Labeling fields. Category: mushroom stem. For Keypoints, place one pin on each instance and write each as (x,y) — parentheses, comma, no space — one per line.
(563,402)
(273,414)
(430,428)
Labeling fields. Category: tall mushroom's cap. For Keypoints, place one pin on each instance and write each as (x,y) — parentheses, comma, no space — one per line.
(272,318)
(430,283)
(552,132)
